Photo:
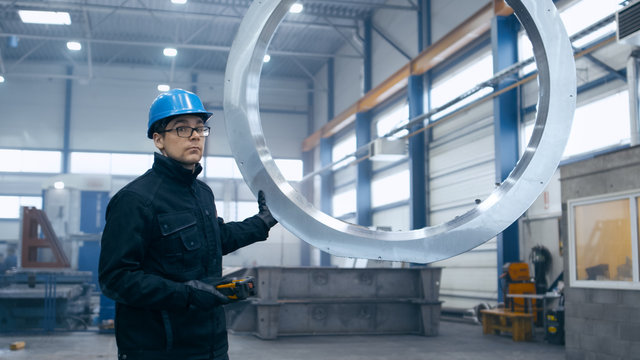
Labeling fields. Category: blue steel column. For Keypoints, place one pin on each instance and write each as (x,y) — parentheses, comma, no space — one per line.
(307,167)
(417,157)
(504,40)
(66,152)
(364,214)
(326,144)
(633,82)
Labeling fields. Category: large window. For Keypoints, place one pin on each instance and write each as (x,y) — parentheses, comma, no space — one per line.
(577,17)
(226,168)
(603,240)
(470,74)
(343,147)
(30,161)
(110,163)
(391,119)
(222,167)
(390,189)
(597,125)
(344,202)
(10,205)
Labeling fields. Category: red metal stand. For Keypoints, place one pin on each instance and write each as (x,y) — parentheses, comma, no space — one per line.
(37,233)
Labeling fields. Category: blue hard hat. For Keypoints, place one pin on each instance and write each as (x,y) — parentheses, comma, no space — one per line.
(175,102)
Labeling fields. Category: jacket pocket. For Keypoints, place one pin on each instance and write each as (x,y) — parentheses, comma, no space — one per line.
(180,241)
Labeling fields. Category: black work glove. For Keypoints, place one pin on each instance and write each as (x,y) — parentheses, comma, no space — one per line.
(205,296)
(263,211)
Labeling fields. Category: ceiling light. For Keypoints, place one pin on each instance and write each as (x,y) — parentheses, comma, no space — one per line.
(58,185)
(170,52)
(44,17)
(164,87)
(1,79)
(266,58)
(179,2)
(74,45)
(296,8)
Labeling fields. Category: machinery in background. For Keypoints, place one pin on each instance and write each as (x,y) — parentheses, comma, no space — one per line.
(46,299)
(76,205)
(44,292)
(516,279)
(540,257)
(293,301)
(57,274)
(40,245)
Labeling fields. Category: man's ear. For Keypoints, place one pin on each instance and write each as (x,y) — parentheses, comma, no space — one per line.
(158,141)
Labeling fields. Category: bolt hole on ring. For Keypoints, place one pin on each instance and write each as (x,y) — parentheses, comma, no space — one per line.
(507,202)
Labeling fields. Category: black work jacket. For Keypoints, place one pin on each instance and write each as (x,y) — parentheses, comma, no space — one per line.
(162,230)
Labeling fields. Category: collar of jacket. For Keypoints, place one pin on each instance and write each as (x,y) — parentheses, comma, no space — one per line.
(174,170)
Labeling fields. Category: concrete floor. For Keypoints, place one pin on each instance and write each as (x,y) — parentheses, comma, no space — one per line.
(456,341)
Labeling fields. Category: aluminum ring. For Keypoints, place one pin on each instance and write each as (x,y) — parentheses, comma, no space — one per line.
(556,105)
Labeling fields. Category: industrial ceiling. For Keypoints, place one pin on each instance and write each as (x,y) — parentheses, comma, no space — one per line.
(135,32)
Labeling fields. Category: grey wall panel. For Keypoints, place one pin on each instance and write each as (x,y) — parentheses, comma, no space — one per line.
(32,114)
(21,184)
(348,81)
(397,218)
(10,230)
(446,14)
(402,28)
(108,115)
(110,112)
(320,113)
(284,134)
(461,170)
(281,249)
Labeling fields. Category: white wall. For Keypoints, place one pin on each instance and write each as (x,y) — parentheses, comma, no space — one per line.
(110,112)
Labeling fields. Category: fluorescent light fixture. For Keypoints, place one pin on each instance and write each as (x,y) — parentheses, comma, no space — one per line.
(58,185)
(74,45)
(296,8)
(44,17)
(179,2)
(266,58)
(1,79)
(170,52)
(164,87)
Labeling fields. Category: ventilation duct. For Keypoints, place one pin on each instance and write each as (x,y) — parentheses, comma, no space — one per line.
(628,19)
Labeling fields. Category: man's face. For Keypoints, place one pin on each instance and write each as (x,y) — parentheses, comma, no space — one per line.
(187,151)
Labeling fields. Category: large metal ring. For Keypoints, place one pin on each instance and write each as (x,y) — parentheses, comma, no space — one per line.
(556,105)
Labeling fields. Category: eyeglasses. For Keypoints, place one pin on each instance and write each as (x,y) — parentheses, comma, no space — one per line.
(187,131)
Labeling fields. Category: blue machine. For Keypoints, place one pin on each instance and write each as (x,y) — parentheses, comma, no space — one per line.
(93,205)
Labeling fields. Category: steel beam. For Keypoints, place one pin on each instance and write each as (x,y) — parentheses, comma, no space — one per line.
(556,104)
(504,39)
(364,216)
(326,146)
(66,143)
(170,44)
(633,82)
(417,158)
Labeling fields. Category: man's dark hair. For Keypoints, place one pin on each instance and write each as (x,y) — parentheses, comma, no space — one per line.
(161,124)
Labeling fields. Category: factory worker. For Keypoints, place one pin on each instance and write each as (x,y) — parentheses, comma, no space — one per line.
(163,243)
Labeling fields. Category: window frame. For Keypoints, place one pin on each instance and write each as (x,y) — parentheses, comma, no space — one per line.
(633,197)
